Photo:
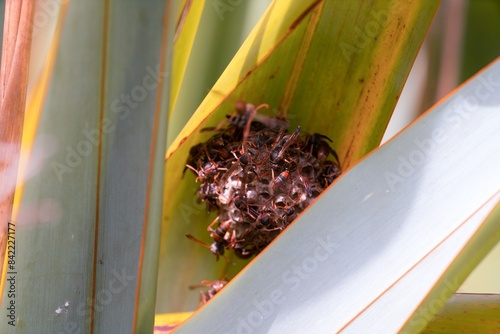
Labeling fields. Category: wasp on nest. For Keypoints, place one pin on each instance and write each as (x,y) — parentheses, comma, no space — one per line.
(258,177)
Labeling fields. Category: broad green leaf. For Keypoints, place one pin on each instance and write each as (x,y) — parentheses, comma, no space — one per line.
(185,32)
(87,233)
(392,238)
(482,33)
(334,67)
(222,29)
(467,313)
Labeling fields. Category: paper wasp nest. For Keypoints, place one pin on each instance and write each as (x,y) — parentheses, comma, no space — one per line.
(258,176)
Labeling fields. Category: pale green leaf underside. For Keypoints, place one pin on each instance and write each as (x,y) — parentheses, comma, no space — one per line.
(401,220)
(80,261)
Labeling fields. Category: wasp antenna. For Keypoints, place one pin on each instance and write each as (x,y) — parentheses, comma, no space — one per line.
(327,138)
(336,157)
(192,238)
(263,105)
(196,286)
(192,168)
(224,278)
(228,260)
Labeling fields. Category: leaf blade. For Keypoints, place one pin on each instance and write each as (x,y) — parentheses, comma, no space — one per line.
(353,238)
(16,47)
(184,38)
(466,312)
(82,223)
(265,71)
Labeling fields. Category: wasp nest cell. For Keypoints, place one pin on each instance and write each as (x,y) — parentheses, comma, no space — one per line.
(258,177)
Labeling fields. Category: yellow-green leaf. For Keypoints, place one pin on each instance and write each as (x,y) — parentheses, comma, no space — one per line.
(333,67)
(185,32)
(467,313)
(210,54)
